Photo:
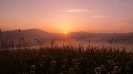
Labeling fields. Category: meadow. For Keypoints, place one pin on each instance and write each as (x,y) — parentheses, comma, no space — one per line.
(69,58)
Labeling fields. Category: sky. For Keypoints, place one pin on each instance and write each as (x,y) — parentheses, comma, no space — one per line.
(57,16)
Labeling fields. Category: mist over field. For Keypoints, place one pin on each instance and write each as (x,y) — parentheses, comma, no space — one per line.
(121,40)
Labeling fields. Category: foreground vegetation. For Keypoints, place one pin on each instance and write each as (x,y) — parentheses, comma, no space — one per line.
(66,60)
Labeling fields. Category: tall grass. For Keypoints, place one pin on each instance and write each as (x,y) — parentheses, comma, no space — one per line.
(66,60)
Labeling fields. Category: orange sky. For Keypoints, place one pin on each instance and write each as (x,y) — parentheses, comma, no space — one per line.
(67,15)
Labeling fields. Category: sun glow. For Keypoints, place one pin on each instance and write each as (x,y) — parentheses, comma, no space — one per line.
(65,32)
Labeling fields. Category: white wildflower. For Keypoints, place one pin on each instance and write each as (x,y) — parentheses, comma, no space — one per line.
(81,58)
(63,66)
(111,62)
(33,67)
(70,69)
(97,70)
(116,69)
(65,60)
(41,66)
(53,63)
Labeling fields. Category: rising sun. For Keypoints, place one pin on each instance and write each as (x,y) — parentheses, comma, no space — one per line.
(65,32)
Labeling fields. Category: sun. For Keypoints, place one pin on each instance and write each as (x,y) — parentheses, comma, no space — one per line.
(65,32)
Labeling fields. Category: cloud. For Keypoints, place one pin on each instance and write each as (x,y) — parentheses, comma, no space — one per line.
(77,10)
(97,16)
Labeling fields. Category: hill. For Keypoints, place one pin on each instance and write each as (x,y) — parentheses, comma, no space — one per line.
(31,34)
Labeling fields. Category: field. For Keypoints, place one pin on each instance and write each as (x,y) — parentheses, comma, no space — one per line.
(66,60)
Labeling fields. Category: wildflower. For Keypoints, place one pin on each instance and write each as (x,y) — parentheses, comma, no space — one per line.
(127,68)
(76,65)
(74,60)
(33,67)
(70,69)
(65,60)
(53,63)
(51,57)
(97,70)
(63,66)
(110,62)
(116,70)
(81,58)
(41,66)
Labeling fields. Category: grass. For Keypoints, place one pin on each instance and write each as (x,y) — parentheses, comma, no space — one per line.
(66,60)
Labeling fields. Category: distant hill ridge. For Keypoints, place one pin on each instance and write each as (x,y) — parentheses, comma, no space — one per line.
(31,34)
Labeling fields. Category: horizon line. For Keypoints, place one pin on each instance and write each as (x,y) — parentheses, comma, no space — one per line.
(62,32)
